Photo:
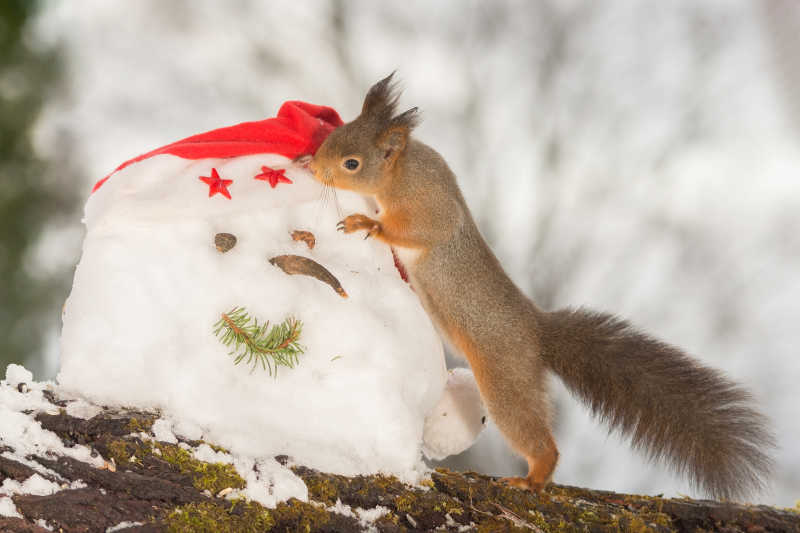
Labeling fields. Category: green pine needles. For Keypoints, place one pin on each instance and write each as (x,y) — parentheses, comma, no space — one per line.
(257,343)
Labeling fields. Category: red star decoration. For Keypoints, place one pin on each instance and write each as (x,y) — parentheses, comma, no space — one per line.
(217,184)
(273,176)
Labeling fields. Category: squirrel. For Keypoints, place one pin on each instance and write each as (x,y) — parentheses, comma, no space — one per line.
(672,407)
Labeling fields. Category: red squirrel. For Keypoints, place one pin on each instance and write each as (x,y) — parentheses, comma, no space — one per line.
(672,407)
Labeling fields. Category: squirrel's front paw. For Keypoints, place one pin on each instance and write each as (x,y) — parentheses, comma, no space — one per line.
(359,222)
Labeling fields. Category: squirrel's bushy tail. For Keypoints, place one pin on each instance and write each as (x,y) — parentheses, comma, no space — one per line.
(671,406)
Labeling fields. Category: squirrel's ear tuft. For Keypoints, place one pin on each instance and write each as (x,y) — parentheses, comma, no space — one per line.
(408,119)
(381,100)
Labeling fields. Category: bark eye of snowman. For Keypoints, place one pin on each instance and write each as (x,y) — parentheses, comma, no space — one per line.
(351,164)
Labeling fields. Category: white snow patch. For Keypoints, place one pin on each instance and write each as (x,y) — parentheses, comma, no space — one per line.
(16,374)
(41,522)
(268,482)
(368,516)
(206,453)
(123,525)
(24,435)
(80,408)
(162,429)
(7,507)
(187,430)
(341,508)
(36,485)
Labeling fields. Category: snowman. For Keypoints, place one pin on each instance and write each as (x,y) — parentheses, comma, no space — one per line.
(214,286)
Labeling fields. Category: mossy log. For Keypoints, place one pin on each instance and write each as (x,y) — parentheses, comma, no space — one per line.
(161,487)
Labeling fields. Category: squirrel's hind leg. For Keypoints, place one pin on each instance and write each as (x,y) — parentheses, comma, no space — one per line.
(541,465)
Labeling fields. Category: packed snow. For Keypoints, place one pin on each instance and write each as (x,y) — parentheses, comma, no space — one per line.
(150,285)
(123,525)
(7,507)
(21,432)
(21,435)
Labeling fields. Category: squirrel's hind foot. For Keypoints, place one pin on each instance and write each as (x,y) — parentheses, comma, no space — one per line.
(541,465)
(523,483)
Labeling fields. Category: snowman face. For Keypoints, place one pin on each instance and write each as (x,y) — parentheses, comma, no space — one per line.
(153,280)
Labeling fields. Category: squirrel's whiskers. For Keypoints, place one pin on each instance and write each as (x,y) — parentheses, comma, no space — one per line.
(327,194)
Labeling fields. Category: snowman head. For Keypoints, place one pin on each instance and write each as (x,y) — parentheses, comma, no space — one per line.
(155,276)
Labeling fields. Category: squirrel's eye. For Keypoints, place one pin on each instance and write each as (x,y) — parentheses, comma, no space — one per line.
(351,164)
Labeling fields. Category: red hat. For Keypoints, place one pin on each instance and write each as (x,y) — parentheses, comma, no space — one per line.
(299,129)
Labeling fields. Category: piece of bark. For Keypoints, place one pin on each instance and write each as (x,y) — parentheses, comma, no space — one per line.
(224,241)
(84,510)
(296,264)
(306,237)
(14,470)
(18,525)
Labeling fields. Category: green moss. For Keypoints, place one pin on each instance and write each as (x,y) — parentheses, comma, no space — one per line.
(206,476)
(538,519)
(236,517)
(428,483)
(322,490)
(300,516)
(140,425)
(389,519)
(405,502)
(118,451)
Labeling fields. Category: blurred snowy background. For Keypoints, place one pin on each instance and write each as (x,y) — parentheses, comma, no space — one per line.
(637,157)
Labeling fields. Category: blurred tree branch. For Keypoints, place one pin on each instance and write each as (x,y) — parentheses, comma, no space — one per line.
(27,200)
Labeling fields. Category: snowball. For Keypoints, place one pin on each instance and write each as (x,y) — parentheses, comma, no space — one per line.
(16,374)
(457,420)
(151,284)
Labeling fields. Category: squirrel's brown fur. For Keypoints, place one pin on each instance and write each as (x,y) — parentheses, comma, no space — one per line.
(672,407)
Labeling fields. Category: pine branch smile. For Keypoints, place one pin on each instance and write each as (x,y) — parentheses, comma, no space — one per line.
(257,343)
